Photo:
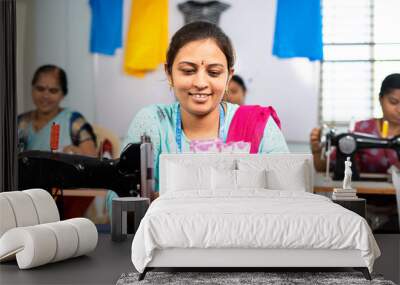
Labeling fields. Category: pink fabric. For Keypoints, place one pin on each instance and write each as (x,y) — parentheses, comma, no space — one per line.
(373,160)
(206,146)
(216,146)
(248,125)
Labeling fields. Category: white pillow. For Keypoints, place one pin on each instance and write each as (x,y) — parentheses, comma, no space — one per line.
(188,177)
(251,178)
(283,178)
(281,174)
(223,179)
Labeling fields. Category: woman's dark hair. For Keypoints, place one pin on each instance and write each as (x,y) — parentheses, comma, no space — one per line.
(62,76)
(199,31)
(390,83)
(239,80)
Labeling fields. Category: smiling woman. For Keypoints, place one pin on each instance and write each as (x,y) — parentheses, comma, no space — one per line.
(49,87)
(199,66)
(199,77)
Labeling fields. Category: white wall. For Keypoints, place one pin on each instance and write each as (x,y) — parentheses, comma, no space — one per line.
(57,32)
(105,95)
(290,86)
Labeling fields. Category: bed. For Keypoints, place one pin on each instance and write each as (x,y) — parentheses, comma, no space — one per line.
(247,211)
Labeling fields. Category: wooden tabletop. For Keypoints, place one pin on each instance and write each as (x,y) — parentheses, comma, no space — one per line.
(83,192)
(361,190)
(321,184)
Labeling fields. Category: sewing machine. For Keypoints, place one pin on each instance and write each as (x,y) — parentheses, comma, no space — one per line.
(130,175)
(347,145)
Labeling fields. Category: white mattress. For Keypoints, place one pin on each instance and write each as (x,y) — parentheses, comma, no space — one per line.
(252,218)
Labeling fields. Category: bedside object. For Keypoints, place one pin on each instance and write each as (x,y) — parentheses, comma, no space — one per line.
(357,205)
(346,192)
(31,231)
(120,209)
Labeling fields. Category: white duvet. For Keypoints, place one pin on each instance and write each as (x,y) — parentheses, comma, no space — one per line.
(252,218)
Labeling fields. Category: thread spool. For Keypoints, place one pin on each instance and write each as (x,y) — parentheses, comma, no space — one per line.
(54,137)
(385,129)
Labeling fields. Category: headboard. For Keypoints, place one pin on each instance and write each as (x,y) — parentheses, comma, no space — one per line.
(295,169)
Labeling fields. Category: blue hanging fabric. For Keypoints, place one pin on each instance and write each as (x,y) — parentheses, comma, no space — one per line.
(298,29)
(106,29)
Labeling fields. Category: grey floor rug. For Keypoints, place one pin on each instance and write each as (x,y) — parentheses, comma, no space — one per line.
(269,278)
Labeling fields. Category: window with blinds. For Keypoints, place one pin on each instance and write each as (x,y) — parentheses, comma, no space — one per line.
(361,47)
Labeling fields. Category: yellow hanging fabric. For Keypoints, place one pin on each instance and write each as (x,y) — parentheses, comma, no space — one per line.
(147,39)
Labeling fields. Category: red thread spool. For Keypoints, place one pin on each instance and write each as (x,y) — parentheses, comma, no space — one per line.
(107,150)
(54,136)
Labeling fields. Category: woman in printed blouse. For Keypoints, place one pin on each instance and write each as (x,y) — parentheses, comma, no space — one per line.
(371,160)
(199,66)
(49,87)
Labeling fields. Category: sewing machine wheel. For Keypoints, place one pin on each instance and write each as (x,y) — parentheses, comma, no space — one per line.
(347,145)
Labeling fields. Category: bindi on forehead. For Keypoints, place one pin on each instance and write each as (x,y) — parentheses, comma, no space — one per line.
(203,62)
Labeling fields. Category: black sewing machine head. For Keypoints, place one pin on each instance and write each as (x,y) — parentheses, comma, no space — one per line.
(347,145)
(129,175)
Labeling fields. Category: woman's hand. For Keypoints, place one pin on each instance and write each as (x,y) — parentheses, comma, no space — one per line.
(315,138)
(85,148)
(153,196)
(71,149)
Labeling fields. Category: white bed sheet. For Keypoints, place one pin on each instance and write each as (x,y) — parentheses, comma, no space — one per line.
(251,218)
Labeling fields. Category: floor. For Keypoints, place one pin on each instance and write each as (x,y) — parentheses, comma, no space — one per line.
(103,266)
(389,263)
(110,259)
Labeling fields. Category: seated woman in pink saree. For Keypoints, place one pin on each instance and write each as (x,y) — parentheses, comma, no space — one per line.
(371,160)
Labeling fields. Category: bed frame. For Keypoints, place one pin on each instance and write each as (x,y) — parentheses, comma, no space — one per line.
(261,259)
(248,259)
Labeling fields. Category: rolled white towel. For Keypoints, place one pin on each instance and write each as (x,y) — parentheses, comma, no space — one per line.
(23,208)
(26,208)
(66,238)
(33,246)
(46,208)
(40,244)
(87,235)
(7,217)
